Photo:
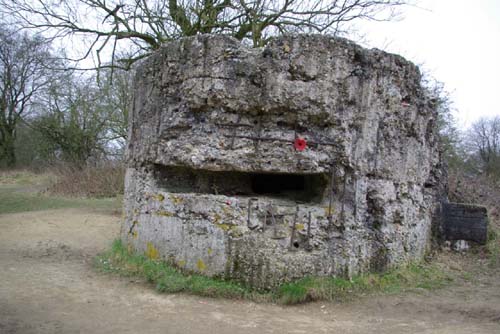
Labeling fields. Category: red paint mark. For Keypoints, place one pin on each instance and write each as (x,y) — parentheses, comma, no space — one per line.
(300,144)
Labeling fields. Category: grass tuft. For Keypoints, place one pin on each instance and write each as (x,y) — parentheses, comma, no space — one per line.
(493,246)
(413,276)
(170,280)
(166,278)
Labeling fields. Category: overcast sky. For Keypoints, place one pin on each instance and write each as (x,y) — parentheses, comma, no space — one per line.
(458,42)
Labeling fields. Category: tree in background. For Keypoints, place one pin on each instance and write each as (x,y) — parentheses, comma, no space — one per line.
(449,135)
(145,25)
(82,120)
(483,143)
(25,63)
(117,90)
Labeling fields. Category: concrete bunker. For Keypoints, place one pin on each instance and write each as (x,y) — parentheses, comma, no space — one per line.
(311,156)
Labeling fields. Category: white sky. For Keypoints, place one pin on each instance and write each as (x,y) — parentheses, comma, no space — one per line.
(458,42)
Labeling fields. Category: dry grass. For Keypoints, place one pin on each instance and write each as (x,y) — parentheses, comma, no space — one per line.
(101,181)
(25,177)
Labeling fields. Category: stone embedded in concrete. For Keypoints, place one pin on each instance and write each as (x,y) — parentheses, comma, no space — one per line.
(460,246)
(215,185)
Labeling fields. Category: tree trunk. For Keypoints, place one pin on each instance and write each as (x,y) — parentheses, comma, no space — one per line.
(9,152)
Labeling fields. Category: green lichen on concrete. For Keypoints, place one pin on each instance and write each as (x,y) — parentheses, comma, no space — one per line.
(176,200)
(164,213)
(224,226)
(158,197)
(217,221)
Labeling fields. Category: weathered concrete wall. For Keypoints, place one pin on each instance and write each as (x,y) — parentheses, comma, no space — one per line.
(212,118)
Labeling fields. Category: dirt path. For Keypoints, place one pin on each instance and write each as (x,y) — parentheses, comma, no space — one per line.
(47,285)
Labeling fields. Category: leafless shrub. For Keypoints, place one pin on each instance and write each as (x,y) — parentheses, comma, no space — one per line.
(106,180)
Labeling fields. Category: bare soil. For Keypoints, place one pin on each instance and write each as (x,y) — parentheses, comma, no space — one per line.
(48,285)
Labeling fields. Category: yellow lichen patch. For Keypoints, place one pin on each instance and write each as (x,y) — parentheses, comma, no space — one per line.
(210,251)
(201,265)
(217,219)
(151,251)
(226,227)
(327,211)
(176,199)
(157,197)
(135,234)
(299,227)
(235,232)
(181,263)
(164,213)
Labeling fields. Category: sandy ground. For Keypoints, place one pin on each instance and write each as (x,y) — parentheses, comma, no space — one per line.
(48,285)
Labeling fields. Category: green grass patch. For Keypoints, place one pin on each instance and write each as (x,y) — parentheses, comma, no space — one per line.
(493,246)
(413,276)
(15,198)
(165,277)
(168,279)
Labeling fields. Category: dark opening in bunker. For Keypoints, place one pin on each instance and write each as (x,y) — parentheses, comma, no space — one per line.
(277,183)
(286,186)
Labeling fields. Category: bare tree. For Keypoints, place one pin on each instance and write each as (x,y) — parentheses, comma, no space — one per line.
(146,24)
(83,121)
(117,91)
(483,139)
(24,62)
